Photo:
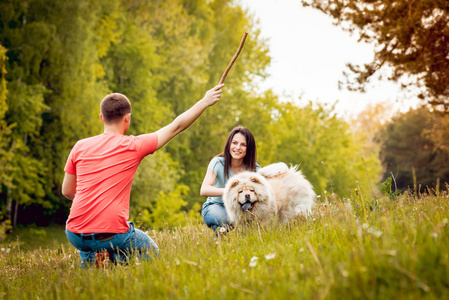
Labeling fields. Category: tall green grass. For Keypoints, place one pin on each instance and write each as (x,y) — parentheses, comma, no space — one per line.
(357,248)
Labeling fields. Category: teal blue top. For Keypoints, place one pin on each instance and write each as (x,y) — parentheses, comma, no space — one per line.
(217,166)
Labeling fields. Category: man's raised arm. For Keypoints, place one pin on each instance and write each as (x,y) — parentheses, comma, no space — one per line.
(187,118)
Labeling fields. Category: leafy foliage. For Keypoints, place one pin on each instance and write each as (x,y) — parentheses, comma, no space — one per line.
(410,36)
(5,129)
(409,155)
(168,207)
(328,153)
(6,152)
(63,57)
(439,132)
(386,188)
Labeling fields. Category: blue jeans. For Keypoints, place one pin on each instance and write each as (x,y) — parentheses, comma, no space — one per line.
(214,215)
(134,241)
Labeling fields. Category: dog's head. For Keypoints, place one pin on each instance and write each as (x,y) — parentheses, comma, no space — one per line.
(245,191)
(248,196)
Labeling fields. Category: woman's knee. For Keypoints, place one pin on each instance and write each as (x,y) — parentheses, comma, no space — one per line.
(215,215)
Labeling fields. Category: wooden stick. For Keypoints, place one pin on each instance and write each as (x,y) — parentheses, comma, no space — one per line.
(234,58)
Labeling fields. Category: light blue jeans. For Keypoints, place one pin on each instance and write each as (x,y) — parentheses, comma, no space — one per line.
(119,247)
(214,215)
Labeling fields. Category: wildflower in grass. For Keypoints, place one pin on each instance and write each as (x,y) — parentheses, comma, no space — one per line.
(222,230)
(253,261)
(270,256)
(390,252)
(374,231)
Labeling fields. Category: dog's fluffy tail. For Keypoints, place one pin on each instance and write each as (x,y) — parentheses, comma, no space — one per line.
(276,169)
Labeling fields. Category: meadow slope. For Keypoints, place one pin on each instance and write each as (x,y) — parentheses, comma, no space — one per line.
(357,248)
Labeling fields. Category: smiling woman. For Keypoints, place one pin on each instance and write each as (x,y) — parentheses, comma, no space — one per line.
(239,154)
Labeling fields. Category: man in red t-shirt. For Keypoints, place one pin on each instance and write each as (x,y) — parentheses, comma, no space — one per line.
(99,174)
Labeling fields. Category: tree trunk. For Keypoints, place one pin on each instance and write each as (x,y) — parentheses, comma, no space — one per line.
(9,204)
(16,209)
(12,208)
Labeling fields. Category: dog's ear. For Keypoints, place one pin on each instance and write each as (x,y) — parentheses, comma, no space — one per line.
(255,179)
(234,183)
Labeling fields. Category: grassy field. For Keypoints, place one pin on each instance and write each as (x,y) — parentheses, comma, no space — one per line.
(357,248)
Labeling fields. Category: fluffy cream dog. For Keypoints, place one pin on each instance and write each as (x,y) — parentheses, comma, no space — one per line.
(274,190)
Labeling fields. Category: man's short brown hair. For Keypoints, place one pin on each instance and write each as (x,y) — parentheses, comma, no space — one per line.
(114,107)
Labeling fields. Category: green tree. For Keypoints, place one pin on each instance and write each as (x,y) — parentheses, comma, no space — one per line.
(133,67)
(439,133)
(5,130)
(5,151)
(366,126)
(409,36)
(328,153)
(178,50)
(168,208)
(24,104)
(63,57)
(409,155)
(54,81)
(207,137)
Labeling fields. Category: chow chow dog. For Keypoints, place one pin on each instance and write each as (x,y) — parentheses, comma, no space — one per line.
(275,190)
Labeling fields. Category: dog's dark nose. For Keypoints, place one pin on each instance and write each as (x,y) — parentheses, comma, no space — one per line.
(247,198)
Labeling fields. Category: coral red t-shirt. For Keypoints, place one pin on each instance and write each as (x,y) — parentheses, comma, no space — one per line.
(104,166)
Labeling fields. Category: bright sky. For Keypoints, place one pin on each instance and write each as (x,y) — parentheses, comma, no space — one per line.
(309,55)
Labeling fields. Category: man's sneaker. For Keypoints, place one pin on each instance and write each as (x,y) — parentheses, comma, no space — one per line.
(102,259)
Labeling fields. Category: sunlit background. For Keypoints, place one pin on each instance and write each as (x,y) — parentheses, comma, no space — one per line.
(309,55)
